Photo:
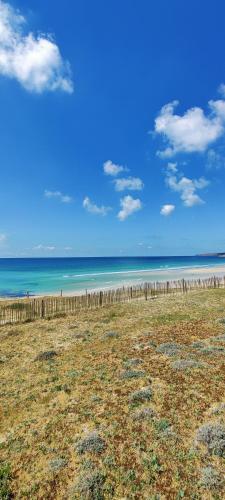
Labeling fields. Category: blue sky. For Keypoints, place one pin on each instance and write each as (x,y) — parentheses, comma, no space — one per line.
(112,127)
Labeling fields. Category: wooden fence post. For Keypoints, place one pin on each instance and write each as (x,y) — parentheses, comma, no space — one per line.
(146,292)
(42,308)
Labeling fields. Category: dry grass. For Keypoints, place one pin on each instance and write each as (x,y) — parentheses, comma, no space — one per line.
(50,403)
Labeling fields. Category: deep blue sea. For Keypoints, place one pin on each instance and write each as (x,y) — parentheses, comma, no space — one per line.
(40,276)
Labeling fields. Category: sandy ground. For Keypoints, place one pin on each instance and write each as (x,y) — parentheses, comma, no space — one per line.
(108,403)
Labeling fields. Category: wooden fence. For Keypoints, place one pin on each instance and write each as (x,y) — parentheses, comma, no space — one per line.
(25,310)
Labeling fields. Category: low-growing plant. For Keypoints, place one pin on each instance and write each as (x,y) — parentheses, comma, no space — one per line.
(90,486)
(219,338)
(218,409)
(162,425)
(92,442)
(57,464)
(210,478)
(197,345)
(132,374)
(141,395)
(111,335)
(45,356)
(168,349)
(185,364)
(133,362)
(213,437)
(5,476)
(144,414)
(210,350)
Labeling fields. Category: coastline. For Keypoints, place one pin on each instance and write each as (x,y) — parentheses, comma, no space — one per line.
(168,274)
(161,275)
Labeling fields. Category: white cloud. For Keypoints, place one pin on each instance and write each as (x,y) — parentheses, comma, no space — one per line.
(2,237)
(187,188)
(221,89)
(167,210)
(129,183)
(128,205)
(194,131)
(215,159)
(44,247)
(68,248)
(172,167)
(33,60)
(64,198)
(113,169)
(94,209)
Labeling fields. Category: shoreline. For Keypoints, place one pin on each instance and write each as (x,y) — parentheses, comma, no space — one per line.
(172,274)
(169,275)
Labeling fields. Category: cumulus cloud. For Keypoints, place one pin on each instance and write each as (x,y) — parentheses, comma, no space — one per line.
(129,183)
(33,60)
(113,169)
(187,188)
(50,248)
(129,205)
(95,209)
(64,198)
(167,209)
(194,131)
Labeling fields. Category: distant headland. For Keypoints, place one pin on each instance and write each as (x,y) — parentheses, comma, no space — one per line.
(212,254)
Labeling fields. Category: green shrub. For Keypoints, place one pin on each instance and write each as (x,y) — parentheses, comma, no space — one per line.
(5,477)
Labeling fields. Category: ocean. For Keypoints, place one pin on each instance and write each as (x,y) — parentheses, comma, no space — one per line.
(39,276)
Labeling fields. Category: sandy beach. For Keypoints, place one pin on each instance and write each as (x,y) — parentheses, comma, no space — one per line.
(151,276)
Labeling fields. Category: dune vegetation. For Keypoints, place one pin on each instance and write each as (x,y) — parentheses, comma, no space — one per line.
(124,402)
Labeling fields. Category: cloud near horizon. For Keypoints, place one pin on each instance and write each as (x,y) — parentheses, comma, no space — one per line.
(33,60)
(50,248)
(2,237)
(192,132)
(95,209)
(129,205)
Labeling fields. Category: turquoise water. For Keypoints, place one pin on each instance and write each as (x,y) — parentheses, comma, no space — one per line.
(51,275)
